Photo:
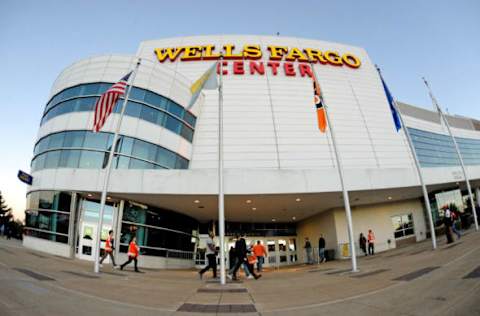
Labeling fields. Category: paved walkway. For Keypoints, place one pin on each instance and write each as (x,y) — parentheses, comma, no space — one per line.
(408,281)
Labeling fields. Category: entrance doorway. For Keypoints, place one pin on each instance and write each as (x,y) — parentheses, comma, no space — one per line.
(88,225)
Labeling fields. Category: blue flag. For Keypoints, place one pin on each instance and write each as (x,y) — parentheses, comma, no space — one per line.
(391,103)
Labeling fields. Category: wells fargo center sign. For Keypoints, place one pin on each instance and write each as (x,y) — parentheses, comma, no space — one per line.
(250,58)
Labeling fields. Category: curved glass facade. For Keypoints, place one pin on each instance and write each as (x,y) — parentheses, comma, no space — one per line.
(437,150)
(143,104)
(88,150)
(48,215)
(158,231)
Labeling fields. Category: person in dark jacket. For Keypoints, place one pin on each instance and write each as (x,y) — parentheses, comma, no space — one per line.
(241,257)
(362,241)
(321,249)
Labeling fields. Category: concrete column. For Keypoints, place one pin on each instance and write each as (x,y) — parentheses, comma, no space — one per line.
(71,224)
(118,227)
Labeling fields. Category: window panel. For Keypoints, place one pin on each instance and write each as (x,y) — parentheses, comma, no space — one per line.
(137,94)
(52,159)
(149,114)
(70,158)
(90,89)
(173,124)
(91,159)
(144,150)
(175,109)
(56,140)
(96,140)
(133,109)
(74,139)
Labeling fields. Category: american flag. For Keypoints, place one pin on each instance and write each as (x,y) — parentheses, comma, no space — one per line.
(106,102)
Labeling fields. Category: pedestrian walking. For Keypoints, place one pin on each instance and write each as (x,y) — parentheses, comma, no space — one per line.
(447,221)
(308,250)
(362,241)
(211,256)
(260,252)
(321,249)
(371,242)
(109,249)
(241,254)
(133,252)
(455,217)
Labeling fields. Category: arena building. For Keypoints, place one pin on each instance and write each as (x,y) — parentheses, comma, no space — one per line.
(281,182)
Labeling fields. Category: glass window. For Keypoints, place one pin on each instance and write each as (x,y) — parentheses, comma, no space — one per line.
(70,158)
(166,158)
(52,159)
(42,144)
(149,114)
(50,221)
(74,139)
(86,104)
(402,225)
(137,94)
(121,162)
(140,164)
(175,109)
(91,159)
(96,140)
(56,140)
(118,106)
(104,87)
(187,133)
(144,150)
(190,119)
(181,163)
(173,124)
(133,109)
(154,99)
(39,162)
(126,145)
(71,92)
(91,89)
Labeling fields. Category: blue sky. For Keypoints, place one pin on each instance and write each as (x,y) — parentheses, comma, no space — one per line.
(407,39)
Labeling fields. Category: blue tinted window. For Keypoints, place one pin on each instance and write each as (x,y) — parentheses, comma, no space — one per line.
(70,158)
(39,162)
(187,133)
(42,145)
(133,109)
(181,163)
(52,159)
(165,158)
(173,124)
(104,87)
(118,106)
(96,140)
(121,162)
(139,164)
(144,150)
(149,114)
(56,140)
(91,89)
(175,109)
(190,119)
(161,118)
(137,94)
(91,159)
(86,104)
(74,139)
(126,145)
(154,99)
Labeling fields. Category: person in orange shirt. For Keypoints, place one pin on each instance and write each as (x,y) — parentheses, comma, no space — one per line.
(260,252)
(109,249)
(371,242)
(133,252)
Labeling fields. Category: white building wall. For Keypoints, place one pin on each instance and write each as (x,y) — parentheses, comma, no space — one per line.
(378,218)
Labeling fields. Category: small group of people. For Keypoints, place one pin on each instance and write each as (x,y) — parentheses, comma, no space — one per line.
(239,256)
(309,250)
(449,220)
(133,252)
(369,242)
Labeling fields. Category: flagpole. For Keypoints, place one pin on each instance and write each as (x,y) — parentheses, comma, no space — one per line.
(221,204)
(457,149)
(108,169)
(417,166)
(346,201)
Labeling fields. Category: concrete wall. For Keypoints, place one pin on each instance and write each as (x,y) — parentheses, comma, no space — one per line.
(312,227)
(378,218)
(45,245)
